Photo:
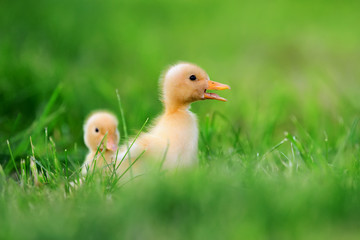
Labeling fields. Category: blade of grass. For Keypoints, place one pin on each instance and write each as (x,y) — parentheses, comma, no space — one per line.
(43,119)
(304,155)
(46,147)
(89,177)
(66,173)
(55,158)
(124,127)
(274,148)
(2,174)
(12,159)
(38,124)
(34,171)
(164,157)
(23,173)
(128,168)
(136,137)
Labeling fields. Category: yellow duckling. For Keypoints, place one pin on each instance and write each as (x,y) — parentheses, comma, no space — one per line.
(98,125)
(174,137)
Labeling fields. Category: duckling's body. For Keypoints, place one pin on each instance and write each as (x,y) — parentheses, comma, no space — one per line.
(181,130)
(101,136)
(173,139)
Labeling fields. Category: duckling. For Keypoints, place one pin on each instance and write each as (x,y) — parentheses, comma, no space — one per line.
(98,125)
(173,139)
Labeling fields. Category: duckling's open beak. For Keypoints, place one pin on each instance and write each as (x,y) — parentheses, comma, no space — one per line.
(111,145)
(215,86)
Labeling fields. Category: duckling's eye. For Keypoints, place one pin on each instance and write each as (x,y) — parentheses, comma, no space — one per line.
(192,77)
(96,130)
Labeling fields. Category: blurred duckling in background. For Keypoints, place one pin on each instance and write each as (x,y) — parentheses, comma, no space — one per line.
(173,140)
(98,125)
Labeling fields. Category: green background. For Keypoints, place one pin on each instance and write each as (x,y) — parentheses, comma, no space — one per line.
(293,67)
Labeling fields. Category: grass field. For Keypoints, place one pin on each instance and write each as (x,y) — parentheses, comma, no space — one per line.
(279,160)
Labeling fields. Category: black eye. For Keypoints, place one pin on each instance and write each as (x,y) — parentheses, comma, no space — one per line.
(96,130)
(192,77)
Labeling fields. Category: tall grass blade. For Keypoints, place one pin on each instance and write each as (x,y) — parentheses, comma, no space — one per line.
(136,137)
(124,127)
(12,158)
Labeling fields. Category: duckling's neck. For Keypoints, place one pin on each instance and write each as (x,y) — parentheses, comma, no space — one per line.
(173,107)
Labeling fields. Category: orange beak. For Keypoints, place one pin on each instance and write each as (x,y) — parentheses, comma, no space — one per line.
(111,144)
(215,86)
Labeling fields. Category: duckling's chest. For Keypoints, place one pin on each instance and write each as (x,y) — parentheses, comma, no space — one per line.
(177,135)
(180,127)
(180,133)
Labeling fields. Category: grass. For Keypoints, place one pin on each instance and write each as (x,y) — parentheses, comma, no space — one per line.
(279,160)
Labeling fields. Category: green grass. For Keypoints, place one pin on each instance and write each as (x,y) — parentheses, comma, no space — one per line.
(279,160)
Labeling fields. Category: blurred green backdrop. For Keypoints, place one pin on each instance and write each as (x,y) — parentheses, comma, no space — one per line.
(287,61)
(293,67)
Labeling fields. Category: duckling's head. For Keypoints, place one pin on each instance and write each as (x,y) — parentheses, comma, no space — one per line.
(185,83)
(96,127)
